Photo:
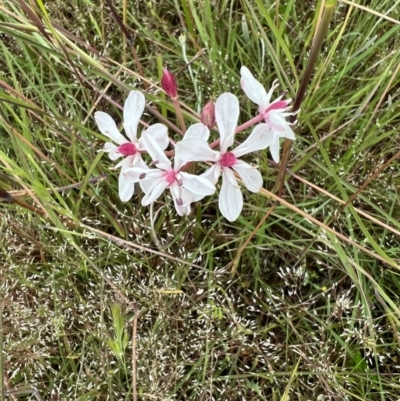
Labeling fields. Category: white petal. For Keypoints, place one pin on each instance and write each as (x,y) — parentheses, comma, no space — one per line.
(155,151)
(182,210)
(189,197)
(137,160)
(279,125)
(134,174)
(197,130)
(260,138)
(178,163)
(230,198)
(112,151)
(195,149)
(274,149)
(145,185)
(227,114)
(250,176)
(182,199)
(289,133)
(196,198)
(254,90)
(140,163)
(176,192)
(124,163)
(126,188)
(108,127)
(268,98)
(133,161)
(154,173)
(140,173)
(159,133)
(213,173)
(197,184)
(108,147)
(156,189)
(133,110)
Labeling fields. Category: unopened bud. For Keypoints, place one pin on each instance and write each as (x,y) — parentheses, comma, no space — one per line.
(168,83)
(208,115)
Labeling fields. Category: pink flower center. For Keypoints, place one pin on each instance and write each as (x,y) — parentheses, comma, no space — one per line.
(127,149)
(228,159)
(170,176)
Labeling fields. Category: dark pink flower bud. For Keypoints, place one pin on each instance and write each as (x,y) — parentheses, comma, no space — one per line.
(208,115)
(168,83)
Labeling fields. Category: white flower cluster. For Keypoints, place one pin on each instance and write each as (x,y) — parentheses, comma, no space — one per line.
(187,188)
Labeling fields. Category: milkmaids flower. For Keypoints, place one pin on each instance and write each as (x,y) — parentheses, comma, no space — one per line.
(130,149)
(197,149)
(273,112)
(183,186)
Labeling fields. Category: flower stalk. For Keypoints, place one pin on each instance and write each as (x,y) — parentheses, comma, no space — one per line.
(319,37)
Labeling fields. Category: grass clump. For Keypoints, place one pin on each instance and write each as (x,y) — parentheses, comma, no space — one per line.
(301,304)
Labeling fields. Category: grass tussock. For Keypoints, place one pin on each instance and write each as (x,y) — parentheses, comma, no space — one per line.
(302,305)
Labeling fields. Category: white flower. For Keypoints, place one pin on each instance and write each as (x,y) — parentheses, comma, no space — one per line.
(130,149)
(274,113)
(183,186)
(197,149)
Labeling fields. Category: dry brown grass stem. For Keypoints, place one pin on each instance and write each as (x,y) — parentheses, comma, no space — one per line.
(236,259)
(369,10)
(359,211)
(328,229)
